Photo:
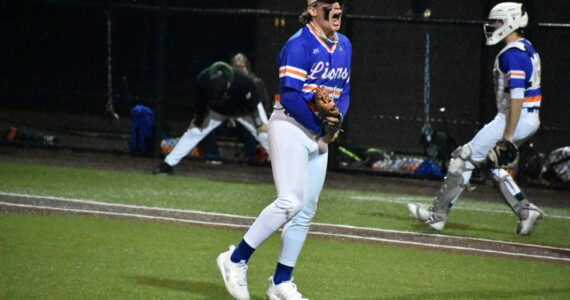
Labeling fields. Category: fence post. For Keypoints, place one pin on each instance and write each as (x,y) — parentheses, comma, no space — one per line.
(159,99)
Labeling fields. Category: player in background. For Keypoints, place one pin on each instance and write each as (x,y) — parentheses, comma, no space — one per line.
(241,62)
(222,92)
(253,153)
(517,89)
(315,59)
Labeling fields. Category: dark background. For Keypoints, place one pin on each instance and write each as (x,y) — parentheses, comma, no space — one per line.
(54,57)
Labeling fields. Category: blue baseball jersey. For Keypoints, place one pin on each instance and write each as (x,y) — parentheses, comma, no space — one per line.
(306,62)
(517,74)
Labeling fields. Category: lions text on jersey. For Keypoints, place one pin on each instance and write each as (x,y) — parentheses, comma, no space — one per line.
(306,62)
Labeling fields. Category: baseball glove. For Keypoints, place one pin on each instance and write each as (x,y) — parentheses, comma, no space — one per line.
(505,154)
(326,107)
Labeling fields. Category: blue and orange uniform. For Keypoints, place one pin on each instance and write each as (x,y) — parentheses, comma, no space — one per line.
(306,62)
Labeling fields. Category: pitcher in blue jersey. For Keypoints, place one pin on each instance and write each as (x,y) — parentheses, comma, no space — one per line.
(314,58)
(518,93)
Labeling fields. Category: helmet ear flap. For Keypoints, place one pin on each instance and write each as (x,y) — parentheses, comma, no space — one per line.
(523,22)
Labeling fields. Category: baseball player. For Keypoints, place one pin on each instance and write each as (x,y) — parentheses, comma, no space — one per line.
(517,88)
(222,92)
(313,97)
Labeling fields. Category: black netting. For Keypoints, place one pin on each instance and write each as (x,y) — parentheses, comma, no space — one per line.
(62,69)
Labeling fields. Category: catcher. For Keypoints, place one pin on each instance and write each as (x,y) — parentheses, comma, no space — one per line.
(517,89)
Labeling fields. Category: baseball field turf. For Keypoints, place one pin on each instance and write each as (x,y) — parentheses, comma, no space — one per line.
(83,257)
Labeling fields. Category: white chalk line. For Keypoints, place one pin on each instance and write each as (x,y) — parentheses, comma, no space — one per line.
(106,213)
(215,214)
(405,200)
(219,224)
(404,232)
(75,200)
(335,235)
(441,246)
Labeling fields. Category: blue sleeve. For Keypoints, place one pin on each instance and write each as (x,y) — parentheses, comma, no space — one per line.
(293,65)
(344,99)
(295,103)
(515,63)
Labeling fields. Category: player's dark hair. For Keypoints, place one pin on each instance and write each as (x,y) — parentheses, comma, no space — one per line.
(241,57)
(305,17)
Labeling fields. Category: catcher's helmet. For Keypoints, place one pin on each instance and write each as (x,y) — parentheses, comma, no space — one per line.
(511,17)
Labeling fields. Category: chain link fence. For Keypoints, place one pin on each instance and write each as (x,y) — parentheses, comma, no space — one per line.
(74,69)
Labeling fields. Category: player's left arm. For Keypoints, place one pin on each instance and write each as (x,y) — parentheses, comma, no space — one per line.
(513,63)
(343,100)
(513,118)
(252,104)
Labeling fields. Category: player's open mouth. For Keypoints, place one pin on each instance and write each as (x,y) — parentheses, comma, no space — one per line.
(335,19)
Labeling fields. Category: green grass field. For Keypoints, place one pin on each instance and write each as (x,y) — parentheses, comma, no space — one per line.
(56,257)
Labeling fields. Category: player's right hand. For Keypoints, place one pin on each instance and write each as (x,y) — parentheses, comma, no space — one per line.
(329,138)
(332,121)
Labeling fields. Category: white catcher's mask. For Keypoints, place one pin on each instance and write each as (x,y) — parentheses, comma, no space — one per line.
(510,16)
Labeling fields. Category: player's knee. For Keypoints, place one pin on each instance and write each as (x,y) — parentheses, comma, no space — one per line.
(500,174)
(460,161)
(290,204)
(303,218)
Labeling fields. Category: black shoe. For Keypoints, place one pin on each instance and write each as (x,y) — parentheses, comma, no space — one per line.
(163,169)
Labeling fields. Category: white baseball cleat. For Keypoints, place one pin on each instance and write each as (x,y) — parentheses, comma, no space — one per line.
(419,211)
(423,213)
(284,291)
(234,275)
(437,225)
(525,227)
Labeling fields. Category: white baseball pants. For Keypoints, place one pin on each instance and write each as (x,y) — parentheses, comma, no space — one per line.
(299,166)
(488,136)
(212,120)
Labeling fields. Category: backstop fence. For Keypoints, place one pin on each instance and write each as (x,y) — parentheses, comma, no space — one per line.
(74,69)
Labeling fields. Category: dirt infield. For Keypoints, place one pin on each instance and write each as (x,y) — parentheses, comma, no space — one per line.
(12,203)
(15,203)
(236,172)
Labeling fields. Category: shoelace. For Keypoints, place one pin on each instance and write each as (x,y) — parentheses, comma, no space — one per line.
(242,273)
(431,219)
(291,291)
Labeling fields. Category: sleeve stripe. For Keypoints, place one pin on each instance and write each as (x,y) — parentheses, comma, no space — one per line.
(516,74)
(532,99)
(292,69)
(292,72)
(308,88)
(290,75)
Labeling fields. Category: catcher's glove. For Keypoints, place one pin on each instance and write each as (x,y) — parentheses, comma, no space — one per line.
(326,107)
(504,155)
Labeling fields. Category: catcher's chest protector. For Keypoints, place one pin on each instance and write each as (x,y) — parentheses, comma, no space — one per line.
(512,71)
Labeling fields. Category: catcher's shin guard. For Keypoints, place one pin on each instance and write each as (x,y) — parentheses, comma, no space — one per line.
(446,196)
(513,195)
(454,183)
